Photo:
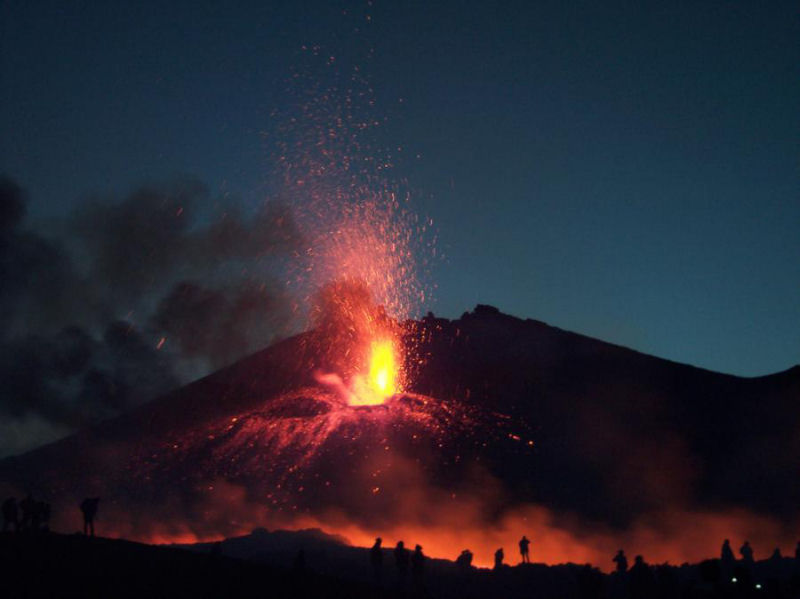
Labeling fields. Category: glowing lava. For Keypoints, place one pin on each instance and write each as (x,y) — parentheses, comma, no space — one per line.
(381,382)
(383,370)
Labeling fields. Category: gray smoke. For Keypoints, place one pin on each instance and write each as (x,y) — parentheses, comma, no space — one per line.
(128,299)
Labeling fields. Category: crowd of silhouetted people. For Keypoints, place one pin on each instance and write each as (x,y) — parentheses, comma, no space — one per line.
(727,558)
(639,579)
(26,515)
(30,515)
(406,561)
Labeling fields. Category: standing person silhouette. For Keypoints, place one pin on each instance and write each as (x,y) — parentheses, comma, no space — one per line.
(401,559)
(726,555)
(747,553)
(464,560)
(621,561)
(376,559)
(524,549)
(726,559)
(89,508)
(418,568)
(498,558)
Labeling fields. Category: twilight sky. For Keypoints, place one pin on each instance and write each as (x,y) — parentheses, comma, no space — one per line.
(627,170)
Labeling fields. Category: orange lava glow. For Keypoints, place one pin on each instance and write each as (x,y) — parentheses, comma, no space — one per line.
(381,382)
(677,537)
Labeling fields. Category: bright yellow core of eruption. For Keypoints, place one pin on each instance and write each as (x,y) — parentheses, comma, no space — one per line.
(382,372)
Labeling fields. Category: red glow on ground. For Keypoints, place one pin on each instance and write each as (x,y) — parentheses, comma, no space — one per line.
(680,537)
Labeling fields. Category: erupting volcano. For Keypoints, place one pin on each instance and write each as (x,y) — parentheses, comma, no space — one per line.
(451,433)
(499,424)
(269,281)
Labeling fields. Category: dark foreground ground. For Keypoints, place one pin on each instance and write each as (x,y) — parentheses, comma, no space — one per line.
(55,565)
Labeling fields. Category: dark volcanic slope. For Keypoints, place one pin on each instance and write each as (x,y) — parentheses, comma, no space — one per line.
(618,432)
(544,415)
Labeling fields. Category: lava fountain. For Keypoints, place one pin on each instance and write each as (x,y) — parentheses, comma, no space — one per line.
(361,349)
(381,382)
(368,251)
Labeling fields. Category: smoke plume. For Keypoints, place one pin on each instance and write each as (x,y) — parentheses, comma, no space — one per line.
(128,299)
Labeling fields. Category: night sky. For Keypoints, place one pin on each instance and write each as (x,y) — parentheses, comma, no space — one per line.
(625,170)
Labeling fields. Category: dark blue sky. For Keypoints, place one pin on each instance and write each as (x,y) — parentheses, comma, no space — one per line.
(624,170)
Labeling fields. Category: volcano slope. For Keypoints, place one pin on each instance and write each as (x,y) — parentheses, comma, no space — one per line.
(500,414)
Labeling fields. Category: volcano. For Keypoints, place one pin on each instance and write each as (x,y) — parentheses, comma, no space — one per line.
(499,413)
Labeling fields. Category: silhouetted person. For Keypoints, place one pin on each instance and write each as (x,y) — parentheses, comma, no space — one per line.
(89,509)
(726,555)
(376,559)
(27,507)
(11,514)
(524,549)
(418,566)
(642,580)
(498,558)
(747,552)
(621,561)
(797,551)
(465,559)
(776,555)
(401,560)
(727,560)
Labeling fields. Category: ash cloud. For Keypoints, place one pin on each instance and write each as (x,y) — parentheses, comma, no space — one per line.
(129,298)
(158,233)
(222,324)
(37,274)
